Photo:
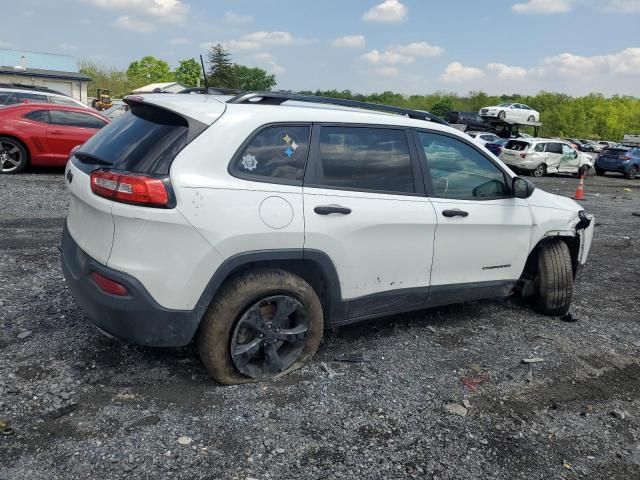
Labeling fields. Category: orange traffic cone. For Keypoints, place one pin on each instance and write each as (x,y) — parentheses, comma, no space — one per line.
(580,190)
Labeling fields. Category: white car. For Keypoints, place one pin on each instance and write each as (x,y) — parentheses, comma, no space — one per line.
(512,112)
(254,222)
(540,156)
(12,95)
(482,138)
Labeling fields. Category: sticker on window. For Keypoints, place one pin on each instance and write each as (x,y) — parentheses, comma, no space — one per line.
(292,146)
(249,162)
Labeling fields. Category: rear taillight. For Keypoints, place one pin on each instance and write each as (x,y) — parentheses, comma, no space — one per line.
(625,157)
(134,188)
(109,286)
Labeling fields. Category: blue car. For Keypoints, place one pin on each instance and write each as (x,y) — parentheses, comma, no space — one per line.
(496,147)
(619,159)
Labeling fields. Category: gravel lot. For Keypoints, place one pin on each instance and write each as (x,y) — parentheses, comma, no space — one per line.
(84,406)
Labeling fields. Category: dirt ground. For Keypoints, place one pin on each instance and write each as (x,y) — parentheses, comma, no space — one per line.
(83,406)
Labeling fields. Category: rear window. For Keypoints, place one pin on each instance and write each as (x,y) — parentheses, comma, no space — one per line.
(145,139)
(614,152)
(517,145)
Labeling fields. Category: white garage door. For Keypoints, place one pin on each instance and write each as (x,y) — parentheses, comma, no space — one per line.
(60,86)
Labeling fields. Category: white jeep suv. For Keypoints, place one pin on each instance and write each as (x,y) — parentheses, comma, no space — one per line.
(253,222)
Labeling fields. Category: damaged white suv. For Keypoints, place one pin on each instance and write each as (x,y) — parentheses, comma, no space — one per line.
(251,223)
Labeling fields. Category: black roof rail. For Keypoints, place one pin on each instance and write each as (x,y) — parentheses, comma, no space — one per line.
(211,91)
(276,98)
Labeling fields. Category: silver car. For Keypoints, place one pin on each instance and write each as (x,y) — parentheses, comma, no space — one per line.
(539,157)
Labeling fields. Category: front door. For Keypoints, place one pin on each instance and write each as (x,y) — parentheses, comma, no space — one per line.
(365,207)
(569,161)
(483,233)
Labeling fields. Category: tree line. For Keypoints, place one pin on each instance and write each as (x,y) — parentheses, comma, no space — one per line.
(222,72)
(593,116)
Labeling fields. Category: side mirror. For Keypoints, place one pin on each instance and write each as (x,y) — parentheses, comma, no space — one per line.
(522,188)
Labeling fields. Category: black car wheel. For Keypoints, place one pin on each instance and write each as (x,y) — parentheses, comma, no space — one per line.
(554,280)
(263,324)
(540,170)
(600,172)
(632,173)
(531,119)
(502,115)
(13,155)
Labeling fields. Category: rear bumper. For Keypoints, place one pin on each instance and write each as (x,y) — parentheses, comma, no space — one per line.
(136,317)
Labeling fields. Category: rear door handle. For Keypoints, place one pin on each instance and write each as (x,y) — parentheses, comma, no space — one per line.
(329,209)
(57,132)
(455,213)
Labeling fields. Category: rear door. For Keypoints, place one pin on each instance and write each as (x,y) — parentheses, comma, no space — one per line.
(483,232)
(365,207)
(68,129)
(553,156)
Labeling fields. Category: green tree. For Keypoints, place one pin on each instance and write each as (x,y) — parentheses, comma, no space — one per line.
(189,72)
(220,69)
(248,78)
(149,70)
(442,106)
(116,81)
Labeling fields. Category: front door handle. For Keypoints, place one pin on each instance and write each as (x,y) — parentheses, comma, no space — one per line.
(329,209)
(454,213)
(57,132)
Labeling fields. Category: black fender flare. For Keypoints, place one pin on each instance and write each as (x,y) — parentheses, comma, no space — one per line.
(235,263)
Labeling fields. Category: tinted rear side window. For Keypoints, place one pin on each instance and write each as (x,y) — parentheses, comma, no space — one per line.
(614,152)
(144,140)
(75,119)
(38,116)
(363,158)
(275,154)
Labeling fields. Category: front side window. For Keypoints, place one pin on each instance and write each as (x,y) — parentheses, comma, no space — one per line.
(568,152)
(539,147)
(459,171)
(278,152)
(75,119)
(363,158)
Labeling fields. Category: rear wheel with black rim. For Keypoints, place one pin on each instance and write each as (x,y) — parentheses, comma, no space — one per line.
(13,155)
(263,324)
(540,170)
(632,173)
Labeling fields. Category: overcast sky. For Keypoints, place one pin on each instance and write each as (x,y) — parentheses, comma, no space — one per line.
(409,46)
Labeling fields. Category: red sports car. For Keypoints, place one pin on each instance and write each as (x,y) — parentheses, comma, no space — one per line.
(43,134)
